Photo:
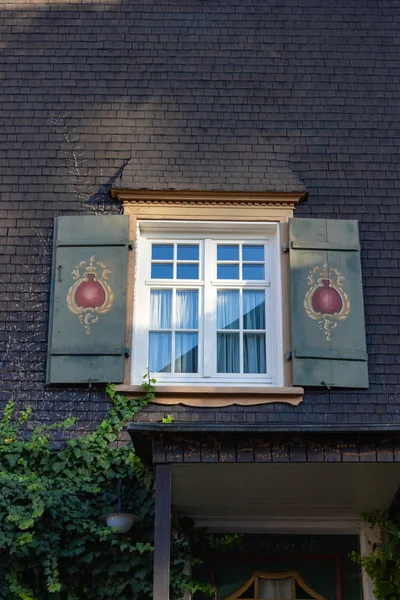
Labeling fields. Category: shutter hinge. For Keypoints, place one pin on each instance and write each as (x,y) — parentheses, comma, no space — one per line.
(127,352)
(285,248)
(327,385)
(130,245)
(288,355)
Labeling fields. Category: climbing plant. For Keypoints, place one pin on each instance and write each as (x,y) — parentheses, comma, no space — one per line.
(52,545)
(383,563)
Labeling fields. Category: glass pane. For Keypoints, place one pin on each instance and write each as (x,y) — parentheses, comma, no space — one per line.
(253,271)
(251,253)
(162,251)
(188,252)
(186,353)
(275,588)
(253,310)
(187,309)
(160,309)
(228,309)
(249,593)
(254,353)
(187,271)
(228,353)
(227,252)
(162,271)
(228,272)
(160,352)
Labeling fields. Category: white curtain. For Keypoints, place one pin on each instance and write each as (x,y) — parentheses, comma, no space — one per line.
(275,589)
(253,309)
(186,353)
(228,353)
(160,309)
(160,342)
(160,352)
(228,344)
(228,309)
(254,353)
(187,309)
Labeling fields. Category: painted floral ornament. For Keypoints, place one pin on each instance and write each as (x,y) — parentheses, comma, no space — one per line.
(90,295)
(326,301)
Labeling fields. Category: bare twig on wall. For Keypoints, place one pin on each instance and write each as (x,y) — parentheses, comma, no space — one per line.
(90,198)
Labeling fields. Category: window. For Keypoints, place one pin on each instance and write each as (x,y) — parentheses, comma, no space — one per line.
(207,303)
(288,585)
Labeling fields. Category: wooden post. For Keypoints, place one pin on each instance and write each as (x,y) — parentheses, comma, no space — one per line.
(162,533)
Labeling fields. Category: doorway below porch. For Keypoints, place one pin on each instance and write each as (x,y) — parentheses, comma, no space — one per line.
(286,567)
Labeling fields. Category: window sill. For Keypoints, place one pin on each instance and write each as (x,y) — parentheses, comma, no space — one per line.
(217,397)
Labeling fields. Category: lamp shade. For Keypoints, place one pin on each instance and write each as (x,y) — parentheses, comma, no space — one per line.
(120,522)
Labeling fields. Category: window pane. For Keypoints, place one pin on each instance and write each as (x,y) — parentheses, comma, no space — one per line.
(254,353)
(228,309)
(161,271)
(160,309)
(276,588)
(186,353)
(228,272)
(187,271)
(228,353)
(162,251)
(160,352)
(187,309)
(253,310)
(227,252)
(255,253)
(253,271)
(188,252)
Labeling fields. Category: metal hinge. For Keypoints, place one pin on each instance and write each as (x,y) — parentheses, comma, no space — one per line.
(288,355)
(327,385)
(285,248)
(131,244)
(127,352)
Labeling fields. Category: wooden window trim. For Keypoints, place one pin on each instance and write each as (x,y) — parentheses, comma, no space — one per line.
(208,235)
(217,397)
(213,206)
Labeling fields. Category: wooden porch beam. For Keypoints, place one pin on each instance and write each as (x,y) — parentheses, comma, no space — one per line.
(162,533)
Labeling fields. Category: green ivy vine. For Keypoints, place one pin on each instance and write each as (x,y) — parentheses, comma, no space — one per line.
(383,564)
(52,545)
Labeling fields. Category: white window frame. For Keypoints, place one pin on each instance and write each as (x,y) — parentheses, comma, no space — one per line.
(207,234)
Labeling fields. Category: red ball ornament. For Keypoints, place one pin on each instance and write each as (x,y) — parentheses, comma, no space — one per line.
(90,293)
(326,299)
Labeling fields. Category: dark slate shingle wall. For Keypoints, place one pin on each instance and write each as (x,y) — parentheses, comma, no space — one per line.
(200,94)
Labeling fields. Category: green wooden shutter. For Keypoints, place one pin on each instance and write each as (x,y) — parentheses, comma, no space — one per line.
(87,318)
(328,332)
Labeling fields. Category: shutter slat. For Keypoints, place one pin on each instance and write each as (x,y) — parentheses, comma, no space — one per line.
(303,245)
(328,332)
(332,354)
(88,303)
(107,230)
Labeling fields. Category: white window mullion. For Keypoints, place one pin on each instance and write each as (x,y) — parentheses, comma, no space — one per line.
(269,334)
(173,324)
(241,341)
(209,327)
(175,267)
(267,263)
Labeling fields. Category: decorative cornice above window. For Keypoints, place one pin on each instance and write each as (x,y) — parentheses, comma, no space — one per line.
(282,199)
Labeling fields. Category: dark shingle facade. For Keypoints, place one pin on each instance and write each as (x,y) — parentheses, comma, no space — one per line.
(209,95)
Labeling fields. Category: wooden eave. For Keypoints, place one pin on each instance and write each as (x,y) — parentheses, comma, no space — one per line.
(207,427)
(238,442)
